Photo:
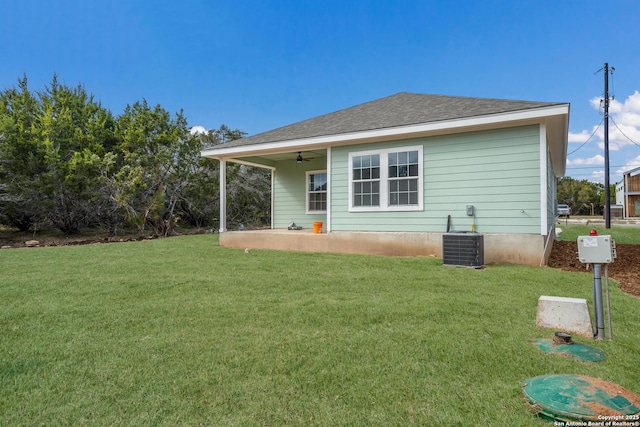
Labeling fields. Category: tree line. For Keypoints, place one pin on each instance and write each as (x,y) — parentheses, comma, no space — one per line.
(69,163)
(583,197)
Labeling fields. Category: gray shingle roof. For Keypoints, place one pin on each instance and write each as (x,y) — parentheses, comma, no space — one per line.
(401,109)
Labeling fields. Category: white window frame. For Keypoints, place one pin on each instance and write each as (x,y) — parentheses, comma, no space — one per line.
(384,180)
(306,191)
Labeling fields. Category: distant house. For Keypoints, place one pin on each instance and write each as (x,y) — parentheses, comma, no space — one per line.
(392,175)
(628,193)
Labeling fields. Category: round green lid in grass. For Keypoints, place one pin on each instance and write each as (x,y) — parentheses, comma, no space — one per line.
(580,398)
(575,350)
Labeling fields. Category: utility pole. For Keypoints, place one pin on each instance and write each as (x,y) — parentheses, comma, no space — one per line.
(607,196)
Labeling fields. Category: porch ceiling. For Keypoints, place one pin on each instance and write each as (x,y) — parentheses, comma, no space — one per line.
(269,159)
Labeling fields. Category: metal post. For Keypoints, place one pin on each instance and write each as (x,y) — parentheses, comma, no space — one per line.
(607,196)
(597,301)
(606,282)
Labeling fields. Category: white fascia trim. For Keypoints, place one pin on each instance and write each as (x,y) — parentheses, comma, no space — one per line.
(400,131)
(244,162)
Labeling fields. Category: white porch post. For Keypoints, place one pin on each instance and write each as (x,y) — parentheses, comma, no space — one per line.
(328,190)
(223,196)
(273,181)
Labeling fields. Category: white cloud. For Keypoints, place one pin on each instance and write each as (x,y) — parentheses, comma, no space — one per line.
(596,102)
(198,130)
(624,126)
(595,160)
(579,137)
(630,164)
(598,176)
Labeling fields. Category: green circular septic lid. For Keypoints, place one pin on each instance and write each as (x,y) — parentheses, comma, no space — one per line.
(575,350)
(579,398)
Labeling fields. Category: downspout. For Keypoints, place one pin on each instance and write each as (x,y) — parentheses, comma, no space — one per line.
(550,237)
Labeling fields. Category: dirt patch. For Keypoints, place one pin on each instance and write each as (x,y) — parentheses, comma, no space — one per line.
(615,390)
(625,269)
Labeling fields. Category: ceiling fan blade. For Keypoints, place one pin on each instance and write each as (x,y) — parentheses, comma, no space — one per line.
(301,159)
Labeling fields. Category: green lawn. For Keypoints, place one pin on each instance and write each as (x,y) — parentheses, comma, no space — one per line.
(620,233)
(182,332)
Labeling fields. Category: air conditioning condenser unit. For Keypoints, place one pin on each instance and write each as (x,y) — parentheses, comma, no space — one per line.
(463,249)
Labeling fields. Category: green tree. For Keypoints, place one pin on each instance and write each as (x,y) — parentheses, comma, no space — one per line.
(249,196)
(21,158)
(580,195)
(147,173)
(74,132)
(50,151)
(200,203)
(66,161)
(200,206)
(248,188)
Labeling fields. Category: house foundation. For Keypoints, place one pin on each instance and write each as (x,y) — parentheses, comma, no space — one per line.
(523,249)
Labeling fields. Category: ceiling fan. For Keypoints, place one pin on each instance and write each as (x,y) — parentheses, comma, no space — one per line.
(300,159)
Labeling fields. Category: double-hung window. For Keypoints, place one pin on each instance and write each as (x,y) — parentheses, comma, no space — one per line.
(389,179)
(403,178)
(366,180)
(316,191)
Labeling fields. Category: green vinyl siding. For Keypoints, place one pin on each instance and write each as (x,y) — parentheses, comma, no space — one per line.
(289,194)
(498,172)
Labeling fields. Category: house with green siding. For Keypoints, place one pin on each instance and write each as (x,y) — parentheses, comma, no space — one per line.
(393,175)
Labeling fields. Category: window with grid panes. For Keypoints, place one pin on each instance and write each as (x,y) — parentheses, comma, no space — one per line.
(317,191)
(366,180)
(386,180)
(403,178)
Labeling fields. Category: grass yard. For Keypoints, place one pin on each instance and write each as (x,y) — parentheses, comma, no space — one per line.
(182,332)
(623,234)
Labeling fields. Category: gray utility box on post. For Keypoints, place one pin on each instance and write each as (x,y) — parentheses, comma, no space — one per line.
(596,249)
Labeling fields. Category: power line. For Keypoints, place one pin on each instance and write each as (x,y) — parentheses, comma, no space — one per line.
(589,139)
(623,134)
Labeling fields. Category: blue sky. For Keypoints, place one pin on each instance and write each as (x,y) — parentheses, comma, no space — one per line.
(258,65)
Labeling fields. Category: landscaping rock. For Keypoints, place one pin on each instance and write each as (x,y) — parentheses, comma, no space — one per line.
(32,243)
(5,247)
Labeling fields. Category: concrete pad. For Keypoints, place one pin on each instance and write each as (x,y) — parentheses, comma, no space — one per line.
(564,314)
